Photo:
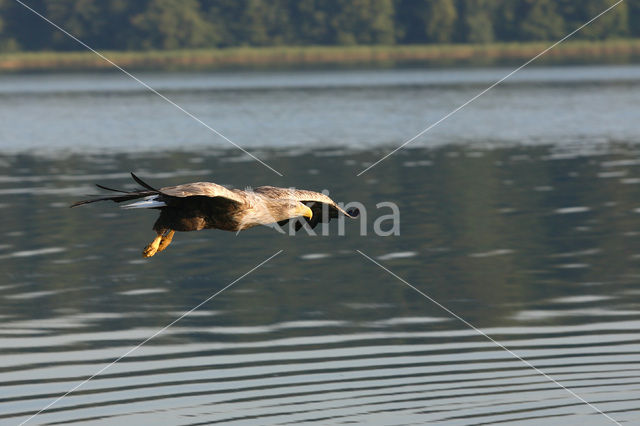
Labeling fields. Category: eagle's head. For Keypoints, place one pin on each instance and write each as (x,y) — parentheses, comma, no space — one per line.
(283,209)
(293,208)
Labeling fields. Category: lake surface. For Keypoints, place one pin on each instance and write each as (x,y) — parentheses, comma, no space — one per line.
(520,214)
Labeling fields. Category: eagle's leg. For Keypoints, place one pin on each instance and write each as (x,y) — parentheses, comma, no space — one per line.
(166,239)
(152,248)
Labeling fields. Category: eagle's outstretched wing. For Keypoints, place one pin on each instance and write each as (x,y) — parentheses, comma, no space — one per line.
(203,189)
(196,189)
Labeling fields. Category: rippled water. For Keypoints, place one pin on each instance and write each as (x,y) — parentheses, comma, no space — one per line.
(536,243)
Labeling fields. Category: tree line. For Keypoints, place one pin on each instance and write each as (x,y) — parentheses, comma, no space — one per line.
(174,24)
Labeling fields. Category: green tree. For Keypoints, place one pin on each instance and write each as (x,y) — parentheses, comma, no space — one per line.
(634,17)
(226,17)
(505,20)
(440,19)
(122,34)
(381,22)
(82,18)
(7,41)
(173,24)
(409,25)
(359,21)
(476,23)
(614,23)
(265,23)
(25,27)
(540,20)
(310,22)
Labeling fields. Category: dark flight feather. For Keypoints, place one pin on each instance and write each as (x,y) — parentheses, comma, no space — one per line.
(143,183)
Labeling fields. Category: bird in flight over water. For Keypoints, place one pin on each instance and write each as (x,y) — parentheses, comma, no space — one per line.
(206,205)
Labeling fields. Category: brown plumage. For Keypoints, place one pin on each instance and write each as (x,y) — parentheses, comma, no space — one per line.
(206,205)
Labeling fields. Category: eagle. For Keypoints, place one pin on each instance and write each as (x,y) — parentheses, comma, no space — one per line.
(206,205)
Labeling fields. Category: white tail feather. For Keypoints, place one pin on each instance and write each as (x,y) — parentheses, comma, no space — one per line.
(148,203)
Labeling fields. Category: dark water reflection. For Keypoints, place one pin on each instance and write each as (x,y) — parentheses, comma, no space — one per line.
(538,246)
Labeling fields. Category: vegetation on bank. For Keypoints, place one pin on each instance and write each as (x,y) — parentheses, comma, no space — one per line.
(212,34)
(570,52)
(186,24)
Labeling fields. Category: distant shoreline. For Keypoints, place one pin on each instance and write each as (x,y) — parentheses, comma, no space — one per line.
(571,52)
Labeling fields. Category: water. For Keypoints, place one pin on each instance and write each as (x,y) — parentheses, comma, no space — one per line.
(520,215)
(360,109)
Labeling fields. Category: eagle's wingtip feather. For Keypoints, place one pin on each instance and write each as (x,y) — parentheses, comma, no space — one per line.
(354,212)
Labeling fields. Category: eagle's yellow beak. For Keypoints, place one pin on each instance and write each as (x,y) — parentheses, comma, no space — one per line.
(305,211)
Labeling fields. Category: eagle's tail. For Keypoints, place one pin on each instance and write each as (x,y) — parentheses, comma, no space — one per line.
(126,195)
(117,198)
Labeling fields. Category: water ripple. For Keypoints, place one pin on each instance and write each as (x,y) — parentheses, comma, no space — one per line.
(280,382)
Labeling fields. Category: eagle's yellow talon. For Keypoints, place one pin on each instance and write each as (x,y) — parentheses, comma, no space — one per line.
(152,248)
(166,240)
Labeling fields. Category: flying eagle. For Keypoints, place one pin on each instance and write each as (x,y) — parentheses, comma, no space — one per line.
(206,205)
